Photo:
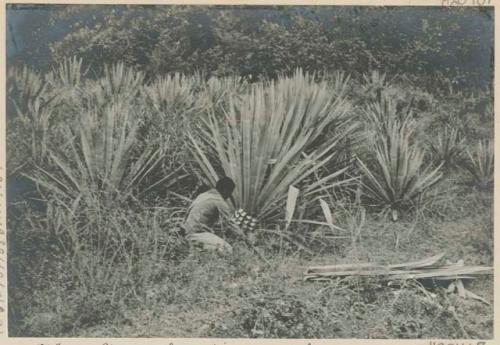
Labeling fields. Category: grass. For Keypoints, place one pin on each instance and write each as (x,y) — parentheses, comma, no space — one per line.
(242,296)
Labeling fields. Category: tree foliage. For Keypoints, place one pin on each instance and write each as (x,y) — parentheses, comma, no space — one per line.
(433,43)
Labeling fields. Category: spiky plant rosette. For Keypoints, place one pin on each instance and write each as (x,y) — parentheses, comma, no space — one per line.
(397,175)
(447,147)
(98,159)
(262,136)
(480,162)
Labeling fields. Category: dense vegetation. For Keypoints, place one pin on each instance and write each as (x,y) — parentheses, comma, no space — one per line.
(430,43)
(383,167)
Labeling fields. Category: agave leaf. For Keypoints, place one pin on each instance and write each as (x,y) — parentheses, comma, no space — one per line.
(327,212)
(49,185)
(66,169)
(293,193)
(203,161)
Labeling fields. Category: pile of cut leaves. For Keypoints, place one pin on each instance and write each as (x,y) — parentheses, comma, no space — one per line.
(431,269)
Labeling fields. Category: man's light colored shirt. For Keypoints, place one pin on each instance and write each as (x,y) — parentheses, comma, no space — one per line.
(205,211)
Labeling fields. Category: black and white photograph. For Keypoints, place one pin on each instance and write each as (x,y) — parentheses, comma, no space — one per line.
(250,171)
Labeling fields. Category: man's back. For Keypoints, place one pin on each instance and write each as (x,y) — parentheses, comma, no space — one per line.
(204,211)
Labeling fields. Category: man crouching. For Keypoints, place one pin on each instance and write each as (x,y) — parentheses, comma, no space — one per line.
(204,212)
